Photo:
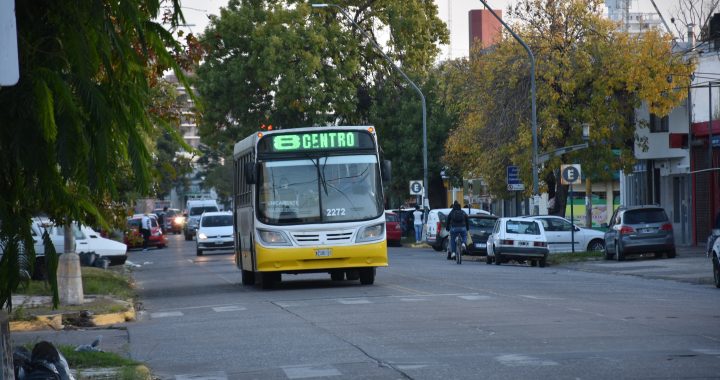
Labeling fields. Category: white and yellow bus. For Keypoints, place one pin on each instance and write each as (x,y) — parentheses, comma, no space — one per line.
(309,200)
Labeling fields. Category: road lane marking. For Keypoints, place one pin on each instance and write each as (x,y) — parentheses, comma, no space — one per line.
(412,299)
(706,351)
(166,314)
(207,376)
(353,301)
(517,360)
(475,298)
(221,309)
(540,297)
(308,371)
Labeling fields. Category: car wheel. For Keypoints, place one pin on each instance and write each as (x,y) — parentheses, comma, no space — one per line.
(671,254)
(608,255)
(488,260)
(161,246)
(619,256)
(188,237)
(596,245)
(337,275)
(533,263)
(445,244)
(716,272)
(199,252)
(367,276)
(542,262)
(498,258)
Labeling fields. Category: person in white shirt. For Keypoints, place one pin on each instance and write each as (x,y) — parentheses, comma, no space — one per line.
(145,230)
(417,223)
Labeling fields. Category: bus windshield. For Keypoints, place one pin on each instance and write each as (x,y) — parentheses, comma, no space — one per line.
(319,190)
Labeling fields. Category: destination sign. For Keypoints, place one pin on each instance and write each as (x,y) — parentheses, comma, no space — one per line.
(315,141)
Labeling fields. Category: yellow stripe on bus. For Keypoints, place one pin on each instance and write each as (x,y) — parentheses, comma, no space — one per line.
(306,258)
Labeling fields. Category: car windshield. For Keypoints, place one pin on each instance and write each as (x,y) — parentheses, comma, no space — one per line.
(216,221)
(522,227)
(483,224)
(195,211)
(319,190)
(655,215)
(391,218)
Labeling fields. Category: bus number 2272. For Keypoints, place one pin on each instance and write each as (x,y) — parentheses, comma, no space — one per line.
(335,211)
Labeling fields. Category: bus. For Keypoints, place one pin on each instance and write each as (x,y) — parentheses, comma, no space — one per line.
(309,200)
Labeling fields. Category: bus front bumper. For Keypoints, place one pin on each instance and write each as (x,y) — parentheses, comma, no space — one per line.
(320,258)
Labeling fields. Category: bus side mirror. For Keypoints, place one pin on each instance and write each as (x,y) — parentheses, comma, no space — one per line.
(386,170)
(250,173)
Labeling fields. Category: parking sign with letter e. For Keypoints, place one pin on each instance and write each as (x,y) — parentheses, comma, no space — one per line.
(570,174)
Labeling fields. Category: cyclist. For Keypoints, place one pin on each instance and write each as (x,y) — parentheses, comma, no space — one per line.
(457,223)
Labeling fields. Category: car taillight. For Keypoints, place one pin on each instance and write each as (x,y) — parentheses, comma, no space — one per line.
(666,227)
(437,230)
(507,242)
(626,230)
(540,244)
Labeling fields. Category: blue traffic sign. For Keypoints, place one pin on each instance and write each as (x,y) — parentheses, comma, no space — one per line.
(513,179)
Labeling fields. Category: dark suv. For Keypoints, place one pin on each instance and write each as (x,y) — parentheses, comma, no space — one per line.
(639,229)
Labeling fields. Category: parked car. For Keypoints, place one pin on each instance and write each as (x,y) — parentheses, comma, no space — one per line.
(639,229)
(113,251)
(520,239)
(215,232)
(714,255)
(393,229)
(560,235)
(133,237)
(435,233)
(481,226)
(168,220)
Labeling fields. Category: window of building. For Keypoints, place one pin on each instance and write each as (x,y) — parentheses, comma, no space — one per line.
(659,124)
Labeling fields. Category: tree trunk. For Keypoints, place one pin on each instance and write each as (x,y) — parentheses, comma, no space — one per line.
(6,363)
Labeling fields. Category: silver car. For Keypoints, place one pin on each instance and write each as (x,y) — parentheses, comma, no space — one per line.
(639,229)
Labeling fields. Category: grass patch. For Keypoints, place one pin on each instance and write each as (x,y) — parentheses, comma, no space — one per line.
(115,282)
(90,359)
(564,258)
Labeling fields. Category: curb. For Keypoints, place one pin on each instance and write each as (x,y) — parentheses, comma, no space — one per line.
(54,321)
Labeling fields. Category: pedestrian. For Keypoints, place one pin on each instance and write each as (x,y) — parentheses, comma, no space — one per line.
(458,225)
(145,224)
(417,223)
(161,218)
(714,234)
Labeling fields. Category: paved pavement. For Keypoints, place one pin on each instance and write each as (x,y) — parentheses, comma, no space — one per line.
(690,266)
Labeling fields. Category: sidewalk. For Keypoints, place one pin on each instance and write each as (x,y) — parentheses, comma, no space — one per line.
(689,266)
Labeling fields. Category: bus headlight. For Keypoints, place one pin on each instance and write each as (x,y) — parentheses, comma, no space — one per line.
(273,237)
(371,233)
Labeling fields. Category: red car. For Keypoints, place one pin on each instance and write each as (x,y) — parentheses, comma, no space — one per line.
(134,239)
(392,228)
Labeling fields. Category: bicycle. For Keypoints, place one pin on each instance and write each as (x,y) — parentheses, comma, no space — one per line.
(460,247)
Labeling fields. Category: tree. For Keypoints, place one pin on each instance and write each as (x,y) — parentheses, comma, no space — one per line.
(284,64)
(78,113)
(588,71)
(694,14)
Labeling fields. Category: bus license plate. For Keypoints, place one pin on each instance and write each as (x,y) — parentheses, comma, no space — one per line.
(322,253)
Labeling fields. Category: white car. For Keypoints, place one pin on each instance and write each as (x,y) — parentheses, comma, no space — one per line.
(435,233)
(714,254)
(559,233)
(520,239)
(86,240)
(215,232)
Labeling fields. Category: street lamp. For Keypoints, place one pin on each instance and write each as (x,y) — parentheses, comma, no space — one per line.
(536,191)
(422,97)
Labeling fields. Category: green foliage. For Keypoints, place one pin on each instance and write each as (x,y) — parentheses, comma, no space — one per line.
(588,71)
(285,64)
(78,113)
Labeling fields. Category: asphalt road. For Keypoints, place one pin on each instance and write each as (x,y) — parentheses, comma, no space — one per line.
(425,318)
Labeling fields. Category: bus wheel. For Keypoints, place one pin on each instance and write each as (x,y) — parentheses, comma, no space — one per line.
(248,277)
(352,275)
(270,279)
(337,275)
(367,276)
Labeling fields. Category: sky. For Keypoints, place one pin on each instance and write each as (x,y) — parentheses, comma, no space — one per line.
(196,12)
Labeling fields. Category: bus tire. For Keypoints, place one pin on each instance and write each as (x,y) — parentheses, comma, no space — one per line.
(337,275)
(367,276)
(352,275)
(248,277)
(270,279)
